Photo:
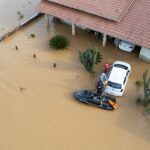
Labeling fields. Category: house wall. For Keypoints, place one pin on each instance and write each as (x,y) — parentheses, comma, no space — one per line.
(145,54)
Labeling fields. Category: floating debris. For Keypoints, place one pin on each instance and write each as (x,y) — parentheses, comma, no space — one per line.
(22,89)
(16,47)
(21,16)
(19,13)
(34,56)
(54,65)
(32,35)
(23,25)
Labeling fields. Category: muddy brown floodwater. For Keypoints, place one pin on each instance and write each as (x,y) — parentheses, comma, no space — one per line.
(45,116)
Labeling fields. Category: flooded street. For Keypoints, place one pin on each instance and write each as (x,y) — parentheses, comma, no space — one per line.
(14,12)
(45,115)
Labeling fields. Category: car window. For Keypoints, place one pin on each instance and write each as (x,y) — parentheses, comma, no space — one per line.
(121,66)
(114,85)
(127,72)
(124,80)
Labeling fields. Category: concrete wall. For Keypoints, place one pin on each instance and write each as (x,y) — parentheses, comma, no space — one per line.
(145,54)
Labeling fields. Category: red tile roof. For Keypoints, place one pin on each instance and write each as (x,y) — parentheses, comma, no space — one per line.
(134,27)
(110,9)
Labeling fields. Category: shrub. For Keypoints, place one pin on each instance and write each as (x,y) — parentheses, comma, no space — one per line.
(146,81)
(146,87)
(90,57)
(59,42)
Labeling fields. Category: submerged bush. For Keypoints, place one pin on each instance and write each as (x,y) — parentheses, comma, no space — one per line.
(59,42)
(146,81)
(146,88)
(90,57)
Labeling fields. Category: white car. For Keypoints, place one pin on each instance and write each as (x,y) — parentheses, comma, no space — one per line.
(124,45)
(118,78)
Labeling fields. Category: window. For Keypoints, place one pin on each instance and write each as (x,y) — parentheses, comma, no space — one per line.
(121,66)
(127,73)
(114,85)
(124,80)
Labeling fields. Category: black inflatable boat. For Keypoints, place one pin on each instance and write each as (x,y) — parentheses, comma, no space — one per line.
(89,97)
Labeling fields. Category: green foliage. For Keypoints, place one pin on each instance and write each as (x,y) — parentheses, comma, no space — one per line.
(146,86)
(146,82)
(90,57)
(147,111)
(59,42)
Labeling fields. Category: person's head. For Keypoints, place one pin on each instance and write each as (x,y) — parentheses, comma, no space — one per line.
(106,67)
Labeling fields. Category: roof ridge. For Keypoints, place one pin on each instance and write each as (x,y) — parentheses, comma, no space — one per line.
(126,11)
(112,10)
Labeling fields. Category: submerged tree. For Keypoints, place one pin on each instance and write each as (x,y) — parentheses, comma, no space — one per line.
(59,42)
(90,57)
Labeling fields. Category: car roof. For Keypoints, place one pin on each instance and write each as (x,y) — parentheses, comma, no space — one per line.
(117,75)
